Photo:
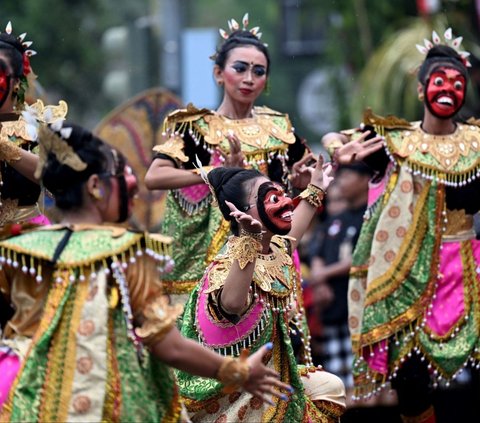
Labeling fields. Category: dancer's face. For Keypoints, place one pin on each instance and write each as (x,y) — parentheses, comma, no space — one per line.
(445,92)
(245,74)
(5,80)
(270,205)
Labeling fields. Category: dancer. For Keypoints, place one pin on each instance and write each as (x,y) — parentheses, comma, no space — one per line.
(236,134)
(247,294)
(92,338)
(413,291)
(19,190)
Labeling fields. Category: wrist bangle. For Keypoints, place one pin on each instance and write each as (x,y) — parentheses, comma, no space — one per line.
(234,372)
(313,195)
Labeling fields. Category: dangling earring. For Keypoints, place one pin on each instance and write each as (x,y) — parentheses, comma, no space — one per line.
(96,193)
(266,90)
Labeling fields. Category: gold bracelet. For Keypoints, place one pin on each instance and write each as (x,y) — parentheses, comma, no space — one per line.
(234,372)
(313,195)
(160,318)
(244,249)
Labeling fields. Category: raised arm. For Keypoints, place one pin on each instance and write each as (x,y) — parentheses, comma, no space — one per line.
(162,174)
(311,196)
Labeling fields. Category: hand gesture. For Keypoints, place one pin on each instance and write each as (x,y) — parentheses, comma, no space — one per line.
(262,380)
(246,222)
(235,158)
(300,173)
(321,174)
(358,149)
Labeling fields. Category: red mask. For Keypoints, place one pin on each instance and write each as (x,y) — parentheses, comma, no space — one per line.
(277,209)
(4,82)
(445,92)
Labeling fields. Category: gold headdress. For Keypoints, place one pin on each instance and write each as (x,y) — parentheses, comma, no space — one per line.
(51,140)
(449,41)
(28,76)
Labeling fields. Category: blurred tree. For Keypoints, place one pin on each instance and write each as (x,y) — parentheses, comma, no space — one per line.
(66,35)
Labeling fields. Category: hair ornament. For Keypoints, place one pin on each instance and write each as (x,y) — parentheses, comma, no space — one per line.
(454,43)
(25,44)
(233,26)
(204,176)
(52,140)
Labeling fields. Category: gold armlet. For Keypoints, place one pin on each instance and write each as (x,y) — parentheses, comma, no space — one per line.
(245,248)
(234,372)
(160,317)
(313,195)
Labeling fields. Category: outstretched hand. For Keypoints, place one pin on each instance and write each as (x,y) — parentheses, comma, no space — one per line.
(301,173)
(235,158)
(358,149)
(246,222)
(321,173)
(262,380)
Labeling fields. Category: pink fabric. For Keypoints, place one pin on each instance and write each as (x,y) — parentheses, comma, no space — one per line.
(41,219)
(378,361)
(448,305)
(195,193)
(220,335)
(9,366)
(375,190)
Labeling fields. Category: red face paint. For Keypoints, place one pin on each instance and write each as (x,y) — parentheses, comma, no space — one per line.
(445,92)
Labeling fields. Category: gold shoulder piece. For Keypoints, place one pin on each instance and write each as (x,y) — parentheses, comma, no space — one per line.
(189,114)
(388,122)
(264,110)
(173,147)
(473,121)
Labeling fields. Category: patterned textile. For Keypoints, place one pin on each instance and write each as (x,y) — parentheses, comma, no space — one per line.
(415,275)
(274,291)
(198,229)
(83,361)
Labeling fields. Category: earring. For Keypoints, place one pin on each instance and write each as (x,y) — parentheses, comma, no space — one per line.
(220,83)
(97,194)
(421,96)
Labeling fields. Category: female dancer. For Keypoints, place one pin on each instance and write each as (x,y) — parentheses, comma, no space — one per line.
(87,302)
(246,298)
(236,134)
(413,298)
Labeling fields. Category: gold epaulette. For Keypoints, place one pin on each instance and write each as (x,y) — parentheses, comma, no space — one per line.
(381,123)
(264,110)
(473,121)
(188,114)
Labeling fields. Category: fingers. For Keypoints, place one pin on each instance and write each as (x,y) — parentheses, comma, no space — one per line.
(305,159)
(231,206)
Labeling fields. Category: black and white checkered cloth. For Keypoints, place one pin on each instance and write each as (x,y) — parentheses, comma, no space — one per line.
(336,352)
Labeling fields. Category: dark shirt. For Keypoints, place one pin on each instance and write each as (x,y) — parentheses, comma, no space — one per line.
(341,235)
